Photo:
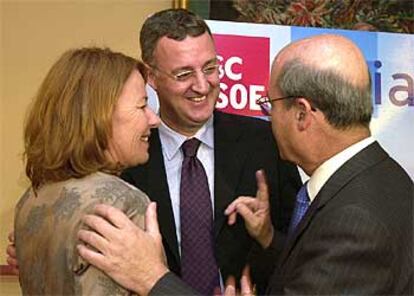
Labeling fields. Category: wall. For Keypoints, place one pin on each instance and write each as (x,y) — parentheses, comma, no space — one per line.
(33,34)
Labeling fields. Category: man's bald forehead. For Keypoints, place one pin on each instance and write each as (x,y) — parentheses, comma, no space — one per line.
(327,52)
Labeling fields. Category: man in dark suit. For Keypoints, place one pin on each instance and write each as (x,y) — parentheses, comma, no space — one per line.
(178,49)
(354,234)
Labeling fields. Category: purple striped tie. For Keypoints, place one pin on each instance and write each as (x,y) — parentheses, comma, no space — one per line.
(198,264)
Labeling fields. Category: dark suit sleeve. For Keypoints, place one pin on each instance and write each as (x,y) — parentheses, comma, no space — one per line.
(345,252)
(265,260)
(170,284)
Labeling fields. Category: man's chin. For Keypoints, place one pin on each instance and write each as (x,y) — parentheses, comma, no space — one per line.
(200,120)
(200,117)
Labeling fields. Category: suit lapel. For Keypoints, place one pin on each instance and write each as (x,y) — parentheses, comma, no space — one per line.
(228,161)
(159,192)
(349,170)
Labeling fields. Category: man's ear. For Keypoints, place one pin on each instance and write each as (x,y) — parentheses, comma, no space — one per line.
(151,78)
(304,113)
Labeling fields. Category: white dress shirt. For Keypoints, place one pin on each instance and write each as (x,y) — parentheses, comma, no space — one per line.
(329,167)
(171,142)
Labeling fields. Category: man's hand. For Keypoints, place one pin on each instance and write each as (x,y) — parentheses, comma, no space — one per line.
(131,256)
(245,284)
(255,212)
(11,254)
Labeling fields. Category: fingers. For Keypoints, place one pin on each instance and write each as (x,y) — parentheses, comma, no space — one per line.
(11,251)
(12,257)
(246,282)
(11,237)
(152,228)
(232,218)
(247,214)
(233,208)
(262,189)
(93,239)
(247,200)
(151,222)
(91,256)
(230,289)
(100,225)
(12,261)
(262,195)
(113,215)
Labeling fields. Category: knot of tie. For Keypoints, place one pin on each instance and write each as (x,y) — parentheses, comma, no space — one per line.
(190,147)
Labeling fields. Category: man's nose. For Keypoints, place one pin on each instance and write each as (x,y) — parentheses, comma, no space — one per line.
(200,83)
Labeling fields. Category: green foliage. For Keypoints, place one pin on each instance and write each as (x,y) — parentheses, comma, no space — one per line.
(369,15)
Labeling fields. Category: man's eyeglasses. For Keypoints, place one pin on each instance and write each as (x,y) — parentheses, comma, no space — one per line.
(186,75)
(265,103)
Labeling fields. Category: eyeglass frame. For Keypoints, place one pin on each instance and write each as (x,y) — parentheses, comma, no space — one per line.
(191,73)
(266,99)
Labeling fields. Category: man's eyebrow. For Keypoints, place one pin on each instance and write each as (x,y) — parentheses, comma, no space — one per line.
(185,68)
(212,61)
(189,68)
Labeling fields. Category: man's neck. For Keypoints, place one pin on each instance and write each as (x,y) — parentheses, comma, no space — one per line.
(334,142)
(185,131)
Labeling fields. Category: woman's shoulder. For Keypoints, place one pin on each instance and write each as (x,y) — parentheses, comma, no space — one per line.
(110,189)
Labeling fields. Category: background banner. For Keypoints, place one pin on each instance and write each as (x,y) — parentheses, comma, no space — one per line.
(245,52)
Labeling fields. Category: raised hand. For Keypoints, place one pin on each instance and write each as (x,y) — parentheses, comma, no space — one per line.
(255,212)
(246,287)
(131,256)
(11,254)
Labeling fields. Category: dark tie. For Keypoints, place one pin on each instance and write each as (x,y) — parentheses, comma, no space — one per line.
(301,206)
(198,264)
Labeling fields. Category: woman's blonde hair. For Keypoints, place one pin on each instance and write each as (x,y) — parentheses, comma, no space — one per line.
(69,123)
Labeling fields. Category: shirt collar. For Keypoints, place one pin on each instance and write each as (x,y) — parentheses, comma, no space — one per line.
(172,140)
(330,166)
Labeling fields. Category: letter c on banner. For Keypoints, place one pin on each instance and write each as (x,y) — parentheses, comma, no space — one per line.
(228,68)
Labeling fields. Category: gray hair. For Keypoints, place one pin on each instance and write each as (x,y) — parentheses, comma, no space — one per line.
(176,24)
(343,104)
